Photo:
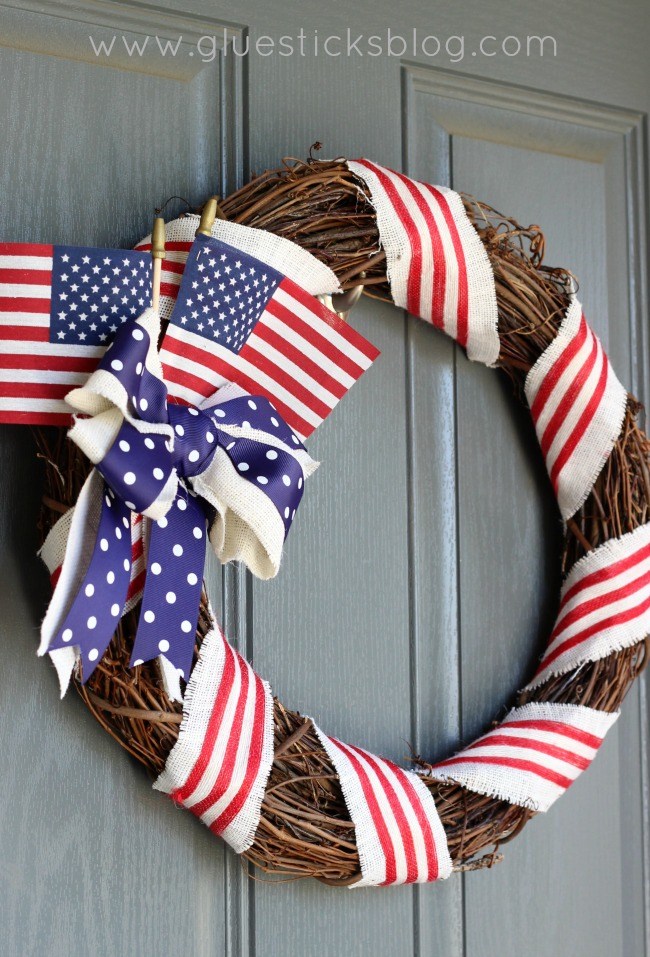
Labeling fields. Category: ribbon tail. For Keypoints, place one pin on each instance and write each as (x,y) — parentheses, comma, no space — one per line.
(172,591)
(92,588)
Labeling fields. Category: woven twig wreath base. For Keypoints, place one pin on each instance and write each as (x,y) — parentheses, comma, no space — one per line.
(305,829)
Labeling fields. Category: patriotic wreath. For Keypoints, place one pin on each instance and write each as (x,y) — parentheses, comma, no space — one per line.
(230,467)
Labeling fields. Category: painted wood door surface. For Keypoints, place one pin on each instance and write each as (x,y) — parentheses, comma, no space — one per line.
(421,578)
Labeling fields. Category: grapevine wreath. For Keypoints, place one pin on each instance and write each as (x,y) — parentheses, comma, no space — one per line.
(319,807)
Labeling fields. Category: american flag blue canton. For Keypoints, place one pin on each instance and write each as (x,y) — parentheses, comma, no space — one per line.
(94,291)
(223,293)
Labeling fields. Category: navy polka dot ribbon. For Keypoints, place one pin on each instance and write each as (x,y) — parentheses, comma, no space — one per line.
(157,451)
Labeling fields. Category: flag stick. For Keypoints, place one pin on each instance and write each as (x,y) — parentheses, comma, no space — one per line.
(209,213)
(157,254)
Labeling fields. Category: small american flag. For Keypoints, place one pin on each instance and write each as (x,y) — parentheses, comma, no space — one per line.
(236,319)
(59,309)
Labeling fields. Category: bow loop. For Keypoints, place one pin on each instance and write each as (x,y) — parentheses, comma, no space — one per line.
(231,471)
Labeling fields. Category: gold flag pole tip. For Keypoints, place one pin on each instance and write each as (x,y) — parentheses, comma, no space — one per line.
(209,214)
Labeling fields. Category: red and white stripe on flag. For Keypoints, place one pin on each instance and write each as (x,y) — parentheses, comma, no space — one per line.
(604,607)
(437,265)
(532,757)
(578,405)
(219,766)
(399,834)
(275,251)
(300,355)
(35,373)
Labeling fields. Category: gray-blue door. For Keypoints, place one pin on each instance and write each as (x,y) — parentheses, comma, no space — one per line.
(421,577)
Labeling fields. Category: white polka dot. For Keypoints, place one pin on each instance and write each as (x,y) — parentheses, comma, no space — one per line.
(162,522)
(158,474)
(209,437)
(93,654)
(251,404)
(262,479)
(110,577)
(149,443)
(179,430)
(138,369)
(293,515)
(129,478)
(104,544)
(197,532)
(300,482)
(230,446)
(118,533)
(138,334)
(124,445)
(111,493)
(117,365)
(92,622)
(90,590)
(115,610)
(177,550)
(182,504)
(220,413)
(186,626)
(243,466)
(271,454)
(295,440)
(163,645)
(275,421)
(286,480)
(245,424)
(194,456)
(107,499)
(137,662)
(287,512)
(156,568)
(170,597)
(193,411)
(67,634)
(125,522)
(130,506)
(127,564)
(192,579)
(144,405)
(149,616)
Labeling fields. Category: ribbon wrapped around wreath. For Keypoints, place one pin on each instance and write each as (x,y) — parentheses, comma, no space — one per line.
(231,470)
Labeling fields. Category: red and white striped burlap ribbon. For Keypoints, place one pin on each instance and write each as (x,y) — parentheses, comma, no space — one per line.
(533,756)
(577,404)
(604,607)
(399,835)
(437,265)
(219,766)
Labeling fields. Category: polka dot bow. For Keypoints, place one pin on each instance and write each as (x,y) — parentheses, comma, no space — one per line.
(231,471)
